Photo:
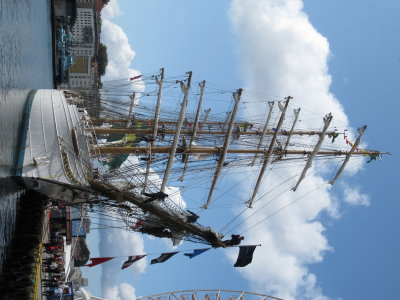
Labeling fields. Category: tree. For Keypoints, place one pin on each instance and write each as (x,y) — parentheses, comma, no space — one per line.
(102,59)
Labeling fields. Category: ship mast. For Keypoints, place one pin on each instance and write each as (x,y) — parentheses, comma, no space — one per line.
(155,126)
(185,90)
(269,152)
(354,148)
(147,204)
(169,218)
(209,132)
(327,121)
(217,150)
(296,117)
(224,151)
(277,146)
(265,129)
(195,126)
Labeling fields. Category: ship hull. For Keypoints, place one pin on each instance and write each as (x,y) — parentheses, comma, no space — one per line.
(53,156)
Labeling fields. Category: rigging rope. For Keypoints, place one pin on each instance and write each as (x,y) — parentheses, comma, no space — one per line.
(284,207)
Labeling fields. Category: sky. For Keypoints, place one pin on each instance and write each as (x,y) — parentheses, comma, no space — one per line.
(331,56)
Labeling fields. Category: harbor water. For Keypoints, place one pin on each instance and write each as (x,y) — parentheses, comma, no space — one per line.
(25,64)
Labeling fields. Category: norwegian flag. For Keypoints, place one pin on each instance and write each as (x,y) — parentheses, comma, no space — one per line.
(131,260)
(163,257)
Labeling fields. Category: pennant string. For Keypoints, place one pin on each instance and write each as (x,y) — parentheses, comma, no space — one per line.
(162,256)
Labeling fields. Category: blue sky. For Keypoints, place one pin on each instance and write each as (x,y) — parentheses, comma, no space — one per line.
(339,56)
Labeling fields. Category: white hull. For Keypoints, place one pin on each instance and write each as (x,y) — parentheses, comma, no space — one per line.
(54,155)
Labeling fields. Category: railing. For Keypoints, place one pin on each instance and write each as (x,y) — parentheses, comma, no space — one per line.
(65,161)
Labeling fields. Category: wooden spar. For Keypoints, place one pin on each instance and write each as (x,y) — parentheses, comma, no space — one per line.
(269,152)
(155,126)
(265,129)
(185,90)
(166,122)
(205,132)
(228,114)
(217,150)
(129,121)
(236,97)
(327,121)
(158,105)
(296,113)
(196,119)
(169,218)
(351,152)
(207,112)
(195,126)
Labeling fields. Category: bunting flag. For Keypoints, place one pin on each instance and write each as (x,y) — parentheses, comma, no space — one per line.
(163,257)
(131,260)
(245,256)
(196,252)
(98,260)
(136,77)
(348,142)
(137,224)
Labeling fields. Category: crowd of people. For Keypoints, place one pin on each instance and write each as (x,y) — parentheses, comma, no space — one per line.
(53,271)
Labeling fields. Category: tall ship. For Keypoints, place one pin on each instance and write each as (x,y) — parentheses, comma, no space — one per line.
(132,149)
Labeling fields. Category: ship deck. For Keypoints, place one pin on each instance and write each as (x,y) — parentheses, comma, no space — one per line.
(56,150)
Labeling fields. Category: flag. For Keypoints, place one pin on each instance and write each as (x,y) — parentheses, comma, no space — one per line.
(98,260)
(245,256)
(196,252)
(163,257)
(136,77)
(131,260)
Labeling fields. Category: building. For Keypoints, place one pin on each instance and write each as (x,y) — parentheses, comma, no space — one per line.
(86,3)
(65,11)
(80,74)
(84,46)
(83,31)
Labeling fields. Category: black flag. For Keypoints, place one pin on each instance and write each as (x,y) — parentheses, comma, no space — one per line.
(163,257)
(245,256)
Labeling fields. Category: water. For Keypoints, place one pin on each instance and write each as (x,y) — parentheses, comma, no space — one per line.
(25,64)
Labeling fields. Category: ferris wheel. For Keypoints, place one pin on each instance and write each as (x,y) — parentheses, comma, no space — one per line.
(209,295)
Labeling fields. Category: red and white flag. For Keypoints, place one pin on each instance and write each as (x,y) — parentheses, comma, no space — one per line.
(98,260)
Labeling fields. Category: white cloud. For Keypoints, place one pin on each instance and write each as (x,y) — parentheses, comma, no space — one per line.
(117,242)
(354,196)
(120,53)
(288,56)
(123,291)
(283,54)
(111,10)
(120,57)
